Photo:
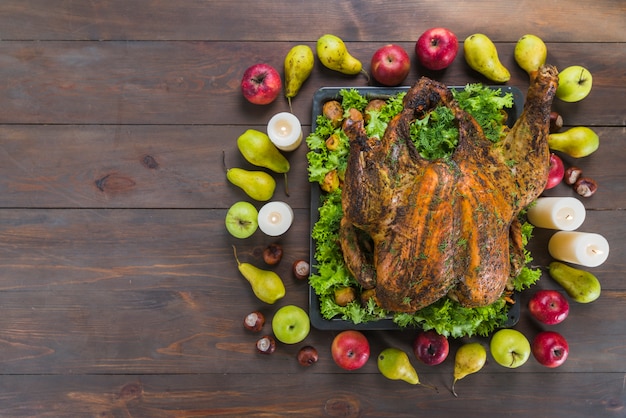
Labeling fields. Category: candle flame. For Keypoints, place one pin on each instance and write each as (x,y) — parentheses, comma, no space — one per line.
(275,217)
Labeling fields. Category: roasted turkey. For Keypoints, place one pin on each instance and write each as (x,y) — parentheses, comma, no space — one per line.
(416,230)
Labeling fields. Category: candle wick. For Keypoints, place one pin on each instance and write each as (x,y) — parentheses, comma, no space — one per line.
(596,251)
(569,217)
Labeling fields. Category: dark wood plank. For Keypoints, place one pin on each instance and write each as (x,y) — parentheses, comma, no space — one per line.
(181,167)
(199,82)
(309,394)
(157,291)
(353,20)
(120,294)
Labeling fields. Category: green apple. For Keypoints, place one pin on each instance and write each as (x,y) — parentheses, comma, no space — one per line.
(574,84)
(242,219)
(291,324)
(509,348)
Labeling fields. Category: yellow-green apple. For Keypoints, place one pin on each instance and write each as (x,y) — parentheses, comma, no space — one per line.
(291,324)
(557,171)
(390,65)
(261,84)
(431,347)
(242,219)
(509,348)
(350,349)
(549,307)
(550,348)
(436,48)
(574,83)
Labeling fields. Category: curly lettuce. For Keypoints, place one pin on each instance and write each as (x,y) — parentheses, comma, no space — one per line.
(435,136)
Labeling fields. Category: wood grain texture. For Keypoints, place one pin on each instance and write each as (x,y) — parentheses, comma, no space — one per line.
(352,20)
(119,292)
(181,83)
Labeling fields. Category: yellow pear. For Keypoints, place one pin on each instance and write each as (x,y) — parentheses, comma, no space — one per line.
(266,284)
(333,54)
(394,364)
(530,53)
(298,67)
(469,358)
(482,56)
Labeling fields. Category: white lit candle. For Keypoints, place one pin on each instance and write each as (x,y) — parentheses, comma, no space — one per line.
(285,131)
(275,218)
(584,248)
(564,213)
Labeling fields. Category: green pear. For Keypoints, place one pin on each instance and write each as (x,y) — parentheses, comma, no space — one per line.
(298,67)
(469,358)
(576,142)
(333,54)
(482,56)
(394,364)
(257,148)
(257,184)
(530,53)
(580,285)
(266,284)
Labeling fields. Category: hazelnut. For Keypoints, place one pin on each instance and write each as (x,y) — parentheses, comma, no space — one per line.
(556,122)
(307,356)
(301,269)
(266,344)
(254,321)
(585,186)
(572,174)
(272,254)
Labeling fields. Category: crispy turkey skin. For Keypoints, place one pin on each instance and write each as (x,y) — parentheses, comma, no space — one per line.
(417,230)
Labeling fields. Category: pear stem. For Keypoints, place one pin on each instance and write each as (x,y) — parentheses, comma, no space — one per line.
(286,186)
(289,101)
(235,252)
(433,387)
(367,76)
(224,160)
(454,391)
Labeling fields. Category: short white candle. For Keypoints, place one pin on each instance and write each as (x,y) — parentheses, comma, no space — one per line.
(285,131)
(564,213)
(584,248)
(275,218)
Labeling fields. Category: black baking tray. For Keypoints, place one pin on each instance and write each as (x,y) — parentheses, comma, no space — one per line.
(320,97)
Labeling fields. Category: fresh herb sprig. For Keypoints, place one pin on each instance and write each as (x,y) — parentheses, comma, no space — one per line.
(434,136)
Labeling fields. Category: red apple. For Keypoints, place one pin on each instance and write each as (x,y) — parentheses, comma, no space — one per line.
(550,348)
(390,65)
(350,350)
(549,306)
(557,171)
(261,84)
(430,347)
(436,48)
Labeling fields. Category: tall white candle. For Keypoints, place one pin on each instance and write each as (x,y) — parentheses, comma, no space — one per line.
(584,248)
(285,131)
(275,218)
(564,213)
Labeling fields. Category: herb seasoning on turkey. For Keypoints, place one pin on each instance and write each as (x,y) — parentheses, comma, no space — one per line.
(431,229)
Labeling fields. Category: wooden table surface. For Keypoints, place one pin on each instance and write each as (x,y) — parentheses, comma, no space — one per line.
(119,294)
